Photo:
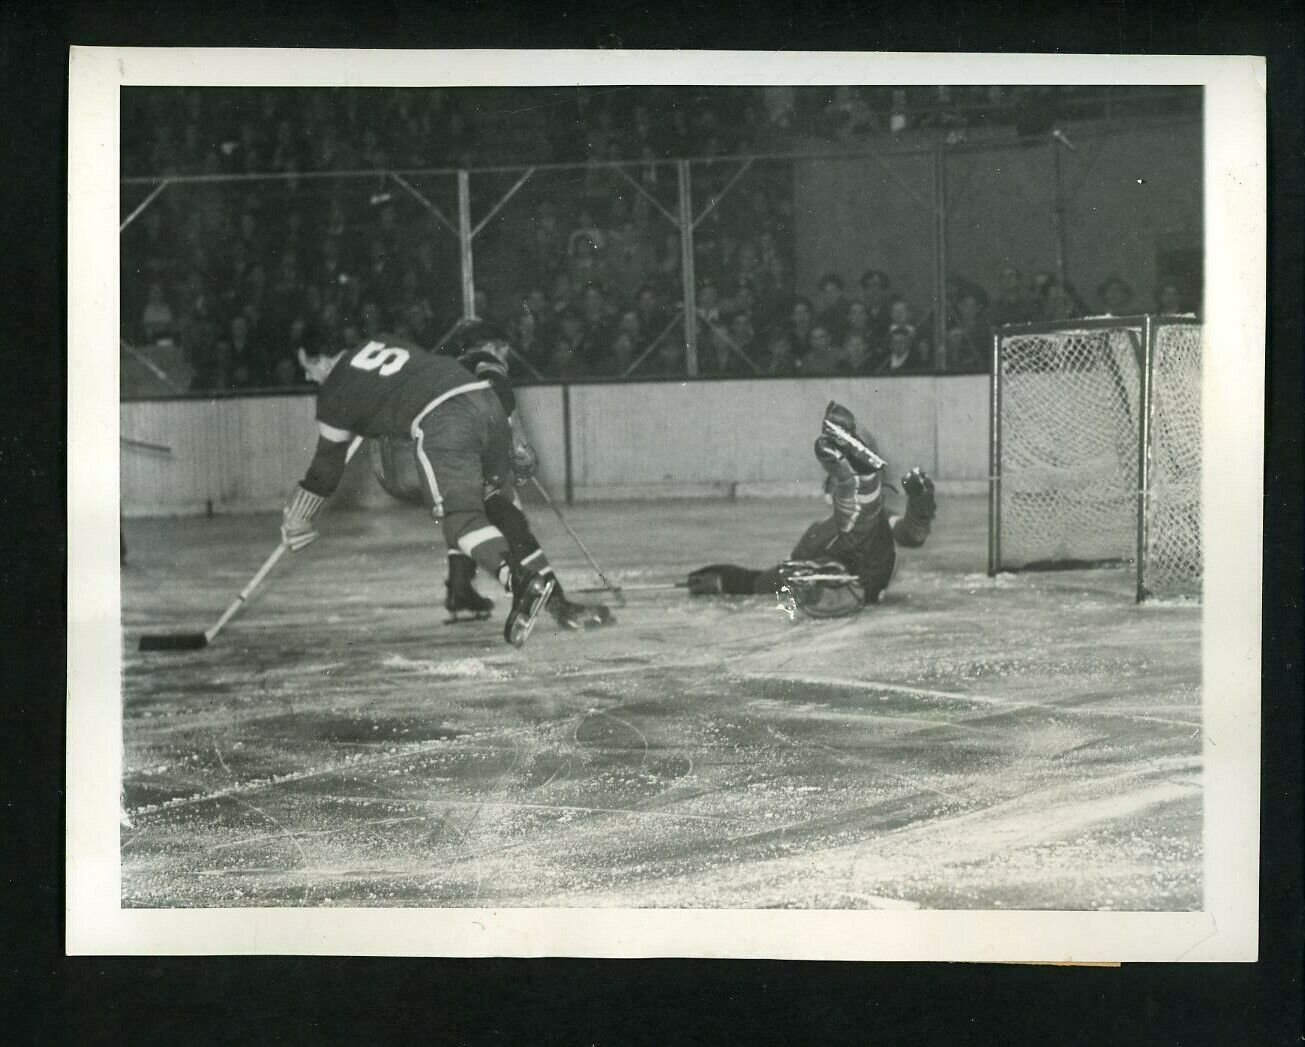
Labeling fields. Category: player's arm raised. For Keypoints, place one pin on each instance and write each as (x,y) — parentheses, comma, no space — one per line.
(298,528)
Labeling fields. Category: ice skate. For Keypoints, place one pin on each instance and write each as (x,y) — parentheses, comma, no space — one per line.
(530,594)
(461,598)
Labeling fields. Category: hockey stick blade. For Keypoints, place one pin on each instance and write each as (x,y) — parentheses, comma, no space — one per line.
(195,641)
(173,642)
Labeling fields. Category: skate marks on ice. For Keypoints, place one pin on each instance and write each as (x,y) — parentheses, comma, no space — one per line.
(699,753)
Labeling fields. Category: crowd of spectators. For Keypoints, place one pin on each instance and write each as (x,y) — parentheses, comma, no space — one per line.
(587,278)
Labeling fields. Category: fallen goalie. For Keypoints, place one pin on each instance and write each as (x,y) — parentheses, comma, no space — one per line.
(843,562)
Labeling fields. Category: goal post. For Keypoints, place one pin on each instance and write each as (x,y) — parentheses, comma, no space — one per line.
(1095,448)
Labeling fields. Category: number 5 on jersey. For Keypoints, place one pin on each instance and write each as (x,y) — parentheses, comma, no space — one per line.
(375,355)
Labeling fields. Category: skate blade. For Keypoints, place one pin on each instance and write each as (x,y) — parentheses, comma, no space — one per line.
(523,626)
(470,617)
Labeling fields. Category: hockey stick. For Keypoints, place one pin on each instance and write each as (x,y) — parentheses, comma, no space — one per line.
(615,590)
(655,587)
(643,587)
(195,641)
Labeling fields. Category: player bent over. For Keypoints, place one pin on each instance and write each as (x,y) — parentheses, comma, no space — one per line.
(482,348)
(842,563)
(392,388)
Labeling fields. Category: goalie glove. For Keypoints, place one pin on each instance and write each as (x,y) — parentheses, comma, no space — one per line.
(524,462)
(913,528)
(297,528)
(920,502)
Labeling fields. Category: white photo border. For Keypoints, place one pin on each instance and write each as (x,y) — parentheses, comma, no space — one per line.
(1233,416)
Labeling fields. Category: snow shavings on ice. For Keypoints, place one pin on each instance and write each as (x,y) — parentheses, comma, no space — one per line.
(455,669)
(982,581)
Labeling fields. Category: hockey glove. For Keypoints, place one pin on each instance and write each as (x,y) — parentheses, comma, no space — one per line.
(920,502)
(297,528)
(524,462)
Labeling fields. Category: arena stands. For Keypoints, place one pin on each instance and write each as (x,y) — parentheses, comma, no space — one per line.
(239,272)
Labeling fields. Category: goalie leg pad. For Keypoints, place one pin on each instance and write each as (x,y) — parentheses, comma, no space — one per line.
(828,599)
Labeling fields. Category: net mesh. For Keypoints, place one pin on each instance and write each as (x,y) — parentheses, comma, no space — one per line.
(1172,561)
(1069,439)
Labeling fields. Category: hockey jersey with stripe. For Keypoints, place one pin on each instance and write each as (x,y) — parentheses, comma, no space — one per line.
(382,387)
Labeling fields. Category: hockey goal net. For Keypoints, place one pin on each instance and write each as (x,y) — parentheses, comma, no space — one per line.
(1096,449)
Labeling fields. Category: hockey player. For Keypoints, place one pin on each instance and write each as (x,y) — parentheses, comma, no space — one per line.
(482,348)
(841,563)
(389,387)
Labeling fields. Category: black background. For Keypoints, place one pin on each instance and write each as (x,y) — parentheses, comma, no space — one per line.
(53,999)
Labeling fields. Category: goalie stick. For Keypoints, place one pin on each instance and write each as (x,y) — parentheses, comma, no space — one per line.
(195,641)
(654,587)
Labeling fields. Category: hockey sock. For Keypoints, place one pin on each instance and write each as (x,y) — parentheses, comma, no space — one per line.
(523,547)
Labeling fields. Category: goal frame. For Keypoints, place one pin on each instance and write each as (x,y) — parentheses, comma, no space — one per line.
(1148,325)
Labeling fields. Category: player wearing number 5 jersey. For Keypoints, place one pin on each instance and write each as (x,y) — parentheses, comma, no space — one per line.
(390,387)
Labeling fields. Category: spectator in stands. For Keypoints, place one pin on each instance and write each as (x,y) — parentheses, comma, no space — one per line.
(833,305)
(666,361)
(903,354)
(747,270)
(536,303)
(968,337)
(629,325)
(1169,298)
(761,309)
(779,361)
(874,296)
(826,356)
(630,261)
(1114,295)
(248,366)
(1013,305)
(527,337)
(652,315)
(799,327)
(215,372)
(775,267)
(157,321)
(856,353)
(1059,302)
(710,311)
(619,359)
(668,262)
(858,323)
(732,349)
(561,296)
(597,318)
(567,356)
(370,314)
(900,314)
